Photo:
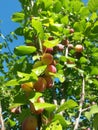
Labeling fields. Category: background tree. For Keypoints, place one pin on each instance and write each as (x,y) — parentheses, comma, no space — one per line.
(51,82)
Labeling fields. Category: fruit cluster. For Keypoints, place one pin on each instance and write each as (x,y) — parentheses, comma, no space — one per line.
(45,81)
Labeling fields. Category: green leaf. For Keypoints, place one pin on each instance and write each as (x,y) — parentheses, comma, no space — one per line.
(47,3)
(94,16)
(12,82)
(39,70)
(65,20)
(11,122)
(18,17)
(56,27)
(62,120)
(84,11)
(25,77)
(78,36)
(24,50)
(37,25)
(95,122)
(19,31)
(83,60)
(74,6)
(67,105)
(19,99)
(54,126)
(94,70)
(47,106)
(95,28)
(93,110)
(93,5)
(95,55)
(80,26)
(50,44)
(95,81)
(25,113)
(61,77)
(35,97)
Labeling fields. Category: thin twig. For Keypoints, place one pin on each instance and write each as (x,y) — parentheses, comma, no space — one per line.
(85,109)
(81,104)
(3,37)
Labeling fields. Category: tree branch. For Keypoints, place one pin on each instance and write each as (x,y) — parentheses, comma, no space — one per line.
(81,104)
(1,119)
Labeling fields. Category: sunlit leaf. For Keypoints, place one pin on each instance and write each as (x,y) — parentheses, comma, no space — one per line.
(93,5)
(67,105)
(12,82)
(35,97)
(47,106)
(18,17)
(54,125)
(62,120)
(24,50)
(95,122)
(38,27)
(93,110)
(50,44)
(39,70)
(94,70)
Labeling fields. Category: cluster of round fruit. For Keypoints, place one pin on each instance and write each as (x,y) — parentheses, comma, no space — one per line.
(44,81)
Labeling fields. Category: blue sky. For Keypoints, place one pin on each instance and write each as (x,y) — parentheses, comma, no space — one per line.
(7,8)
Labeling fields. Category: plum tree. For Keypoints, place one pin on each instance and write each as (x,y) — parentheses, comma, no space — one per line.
(58,61)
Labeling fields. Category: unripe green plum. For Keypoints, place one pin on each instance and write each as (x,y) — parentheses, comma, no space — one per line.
(40,85)
(47,58)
